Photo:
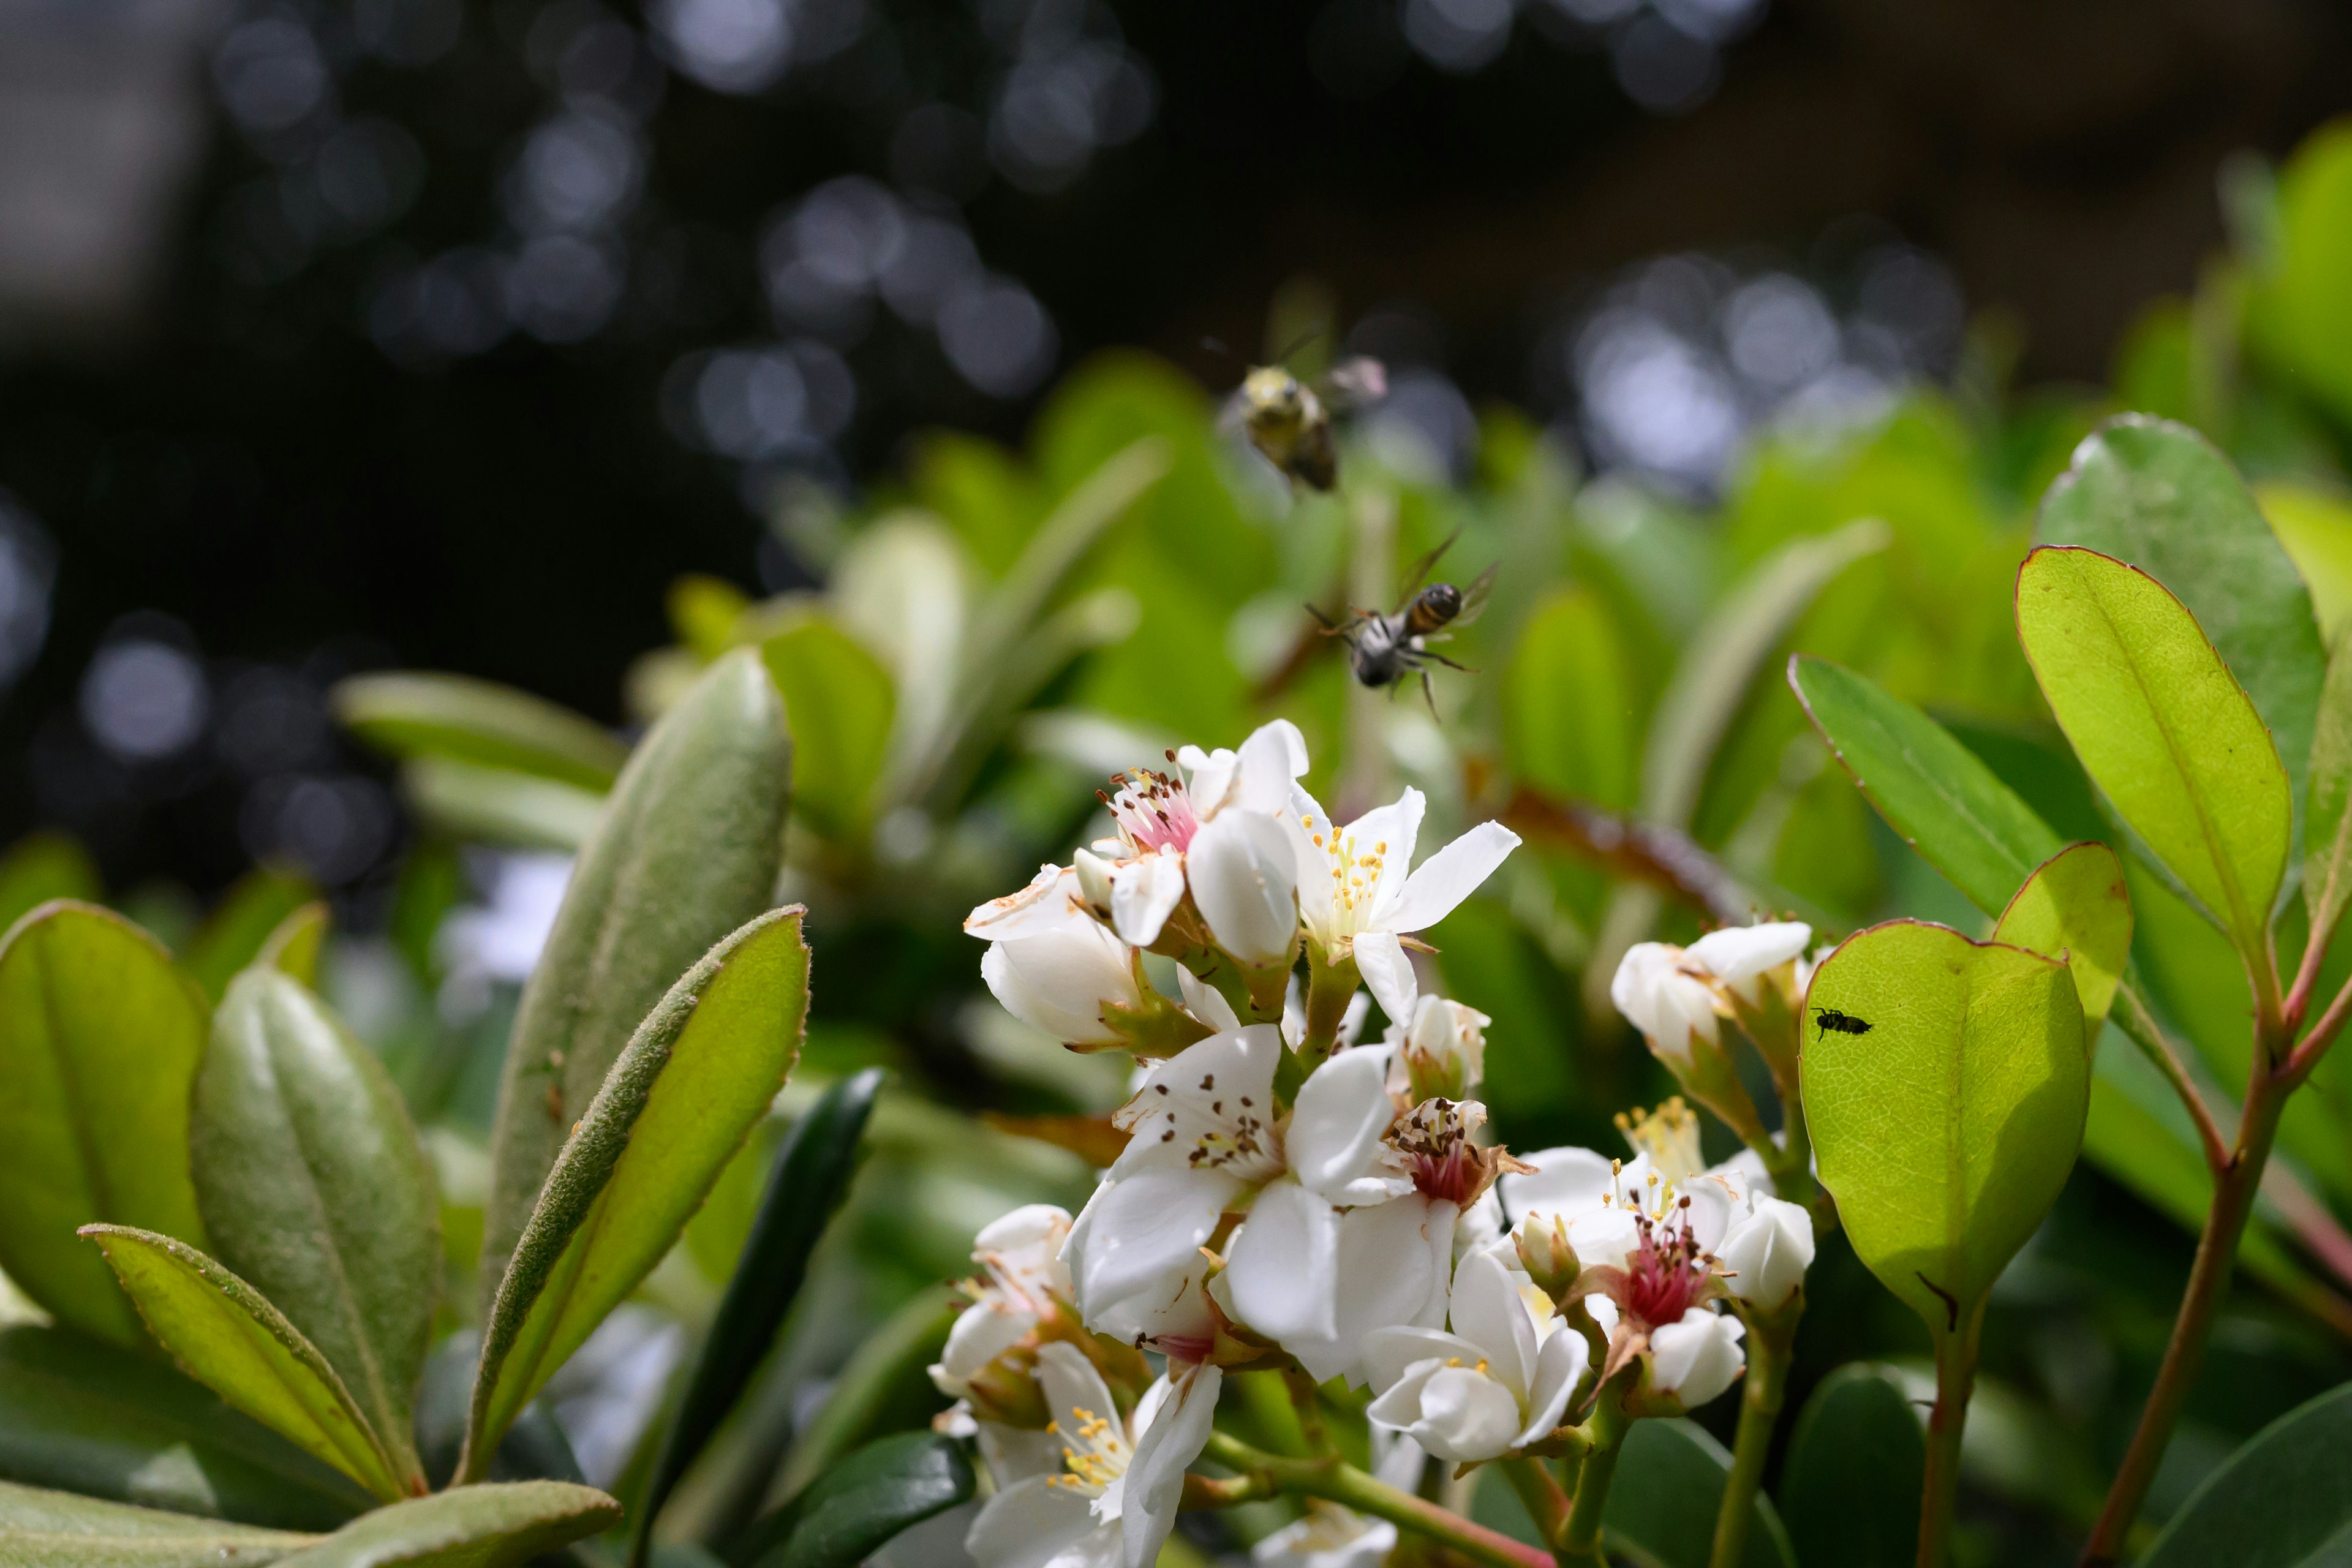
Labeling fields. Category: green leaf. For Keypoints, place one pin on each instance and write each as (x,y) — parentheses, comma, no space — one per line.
(317,1192)
(2076,907)
(1850,1484)
(688,850)
(1931,789)
(1663,1503)
(807,1183)
(58,1530)
(695,1079)
(838,701)
(226,1337)
(99,1036)
(41,867)
(293,948)
(241,925)
(850,1511)
(2328,827)
(78,1414)
(1946,1129)
(877,1375)
(493,1526)
(494,806)
(2283,1500)
(2164,732)
(2159,497)
(417,713)
(705,611)
(1569,705)
(2315,528)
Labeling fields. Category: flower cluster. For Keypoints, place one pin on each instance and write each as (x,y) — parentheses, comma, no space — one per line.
(1288,1197)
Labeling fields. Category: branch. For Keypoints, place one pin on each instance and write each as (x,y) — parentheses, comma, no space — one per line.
(1547,1501)
(2140,1027)
(1663,857)
(2306,1056)
(1342,1483)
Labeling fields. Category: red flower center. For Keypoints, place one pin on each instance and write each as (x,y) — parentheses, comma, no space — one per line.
(1665,1271)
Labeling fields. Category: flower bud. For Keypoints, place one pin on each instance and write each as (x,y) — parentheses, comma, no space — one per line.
(1061,979)
(1767,1252)
(1094,881)
(1545,1254)
(1696,1358)
(1444,1055)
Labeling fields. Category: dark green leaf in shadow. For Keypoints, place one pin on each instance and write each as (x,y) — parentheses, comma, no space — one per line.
(1850,1484)
(317,1192)
(59,1530)
(688,850)
(879,1374)
(852,1509)
(82,1415)
(697,1077)
(100,1038)
(241,925)
(811,1175)
(418,713)
(492,1525)
(1663,1504)
(2283,1500)
(1931,789)
(226,1336)
(41,867)
(534,1449)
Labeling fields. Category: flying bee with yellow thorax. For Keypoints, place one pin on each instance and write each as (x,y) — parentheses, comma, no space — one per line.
(1289,421)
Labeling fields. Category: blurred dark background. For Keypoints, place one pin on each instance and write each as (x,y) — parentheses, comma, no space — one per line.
(342,333)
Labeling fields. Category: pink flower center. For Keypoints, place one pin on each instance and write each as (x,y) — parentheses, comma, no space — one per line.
(1434,1137)
(1153,810)
(1666,1271)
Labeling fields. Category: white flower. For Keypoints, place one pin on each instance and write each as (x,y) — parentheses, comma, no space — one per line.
(1659,996)
(1739,956)
(1329,1536)
(1060,970)
(1768,1250)
(1112,1499)
(1161,820)
(1499,1380)
(1244,880)
(1355,895)
(1020,1260)
(1442,1051)
(1696,1358)
(1603,1204)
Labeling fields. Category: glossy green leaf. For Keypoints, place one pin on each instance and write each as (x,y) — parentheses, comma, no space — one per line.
(2163,730)
(294,947)
(2283,1500)
(99,1037)
(1946,1129)
(2159,495)
(42,1529)
(2076,907)
(847,1513)
(82,1415)
(695,1079)
(1570,720)
(2315,528)
(226,1337)
(2327,825)
(1931,789)
(497,1525)
(242,923)
(806,1183)
(838,703)
(1850,1484)
(688,850)
(496,806)
(1663,1503)
(41,867)
(871,1384)
(415,713)
(317,1192)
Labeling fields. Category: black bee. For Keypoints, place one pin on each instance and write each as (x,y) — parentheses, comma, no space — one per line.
(1829,1018)
(1289,420)
(1384,649)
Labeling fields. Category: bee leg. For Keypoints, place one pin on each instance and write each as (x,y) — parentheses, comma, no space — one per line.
(1448,663)
(1429,695)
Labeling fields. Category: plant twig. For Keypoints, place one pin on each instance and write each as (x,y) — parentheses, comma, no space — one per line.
(1771,1337)
(1581,1541)
(2139,1026)
(1335,1481)
(1956,1375)
(1547,1502)
(1665,857)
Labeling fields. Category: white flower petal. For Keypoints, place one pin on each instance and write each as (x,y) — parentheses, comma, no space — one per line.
(1058,979)
(1036,1524)
(1768,1251)
(1395,1259)
(1143,1232)
(1457,1413)
(1209,1106)
(1566,1181)
(1274,755)
(1282,1271)
(1163,1451)
(1738,953)
(1143,893)
(1244,879)
(1049,899)
(982,1332)
(1206,1003)
(1440,882)
(1389,833)
(1487,1311)
(1560,1366)
(1071,1385)
(1334,1139)
(1388,973)
(1389,1354)
(1698,1358)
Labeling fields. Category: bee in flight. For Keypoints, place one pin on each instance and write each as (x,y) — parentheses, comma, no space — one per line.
(1829,1018)
(1289,421)
(1384,649)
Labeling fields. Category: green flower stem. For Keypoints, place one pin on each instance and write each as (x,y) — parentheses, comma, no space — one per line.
(1581,1541)
(1771,1336)
(1545,1499)
(1263,1475)
(1956,1376)
(2234,1187)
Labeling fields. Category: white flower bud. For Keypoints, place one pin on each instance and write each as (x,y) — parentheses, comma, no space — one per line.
(1768,1251)
(1059,980)
(1094,879)
(1671,1008)
(1698,1358)
(1739,955)
(1443,1055)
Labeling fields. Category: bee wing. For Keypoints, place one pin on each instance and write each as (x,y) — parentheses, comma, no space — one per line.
(1233,414)
(1353,383)
(1473,599)
(1420,571)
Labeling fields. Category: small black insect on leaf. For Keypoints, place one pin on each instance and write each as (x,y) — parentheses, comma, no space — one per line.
(1830,1018)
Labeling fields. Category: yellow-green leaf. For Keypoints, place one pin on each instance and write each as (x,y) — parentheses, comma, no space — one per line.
(41,867)
(2164,730)
(1946,1083)
(838,701)
(413,713)
(2076,907)
(293,948)
(241,924)
(226,1337)
(2327,825)
(41,1529)
(99,1037)
(493,1526)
